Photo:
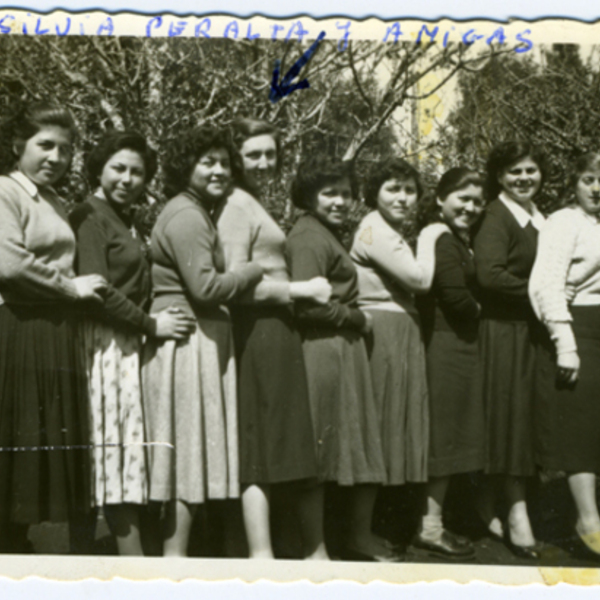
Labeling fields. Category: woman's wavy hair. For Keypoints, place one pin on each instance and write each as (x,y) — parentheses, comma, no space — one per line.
(506,154)
(113,142)
(25,122)
(314,173)
(183,153)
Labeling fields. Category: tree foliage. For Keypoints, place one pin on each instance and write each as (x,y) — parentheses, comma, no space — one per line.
(162,86)
(553,102)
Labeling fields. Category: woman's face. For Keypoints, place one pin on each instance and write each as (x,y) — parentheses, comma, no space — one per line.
(332,202)
(259,159)
(588,191)
(521,180)
(45,157)
(123,177)
(212,175)
(396,197)
(461,209)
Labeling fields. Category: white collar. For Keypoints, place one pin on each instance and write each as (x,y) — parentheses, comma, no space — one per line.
(521,215)
(25,183)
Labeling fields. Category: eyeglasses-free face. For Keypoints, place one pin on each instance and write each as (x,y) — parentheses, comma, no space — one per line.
(587,191)
(45,157)
(211,177)
(123,177)
(259,160)
(463,207)
(521,180)
(395,198)
(332,202)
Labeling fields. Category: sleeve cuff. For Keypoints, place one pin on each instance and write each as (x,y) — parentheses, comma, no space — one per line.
(563,337)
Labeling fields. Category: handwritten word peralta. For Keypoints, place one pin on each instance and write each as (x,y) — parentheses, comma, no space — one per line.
(62,24)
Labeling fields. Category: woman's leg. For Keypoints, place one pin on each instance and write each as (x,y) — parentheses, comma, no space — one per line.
(519,526)
(485,503)
(361,536)
(310,498)
(180,516)
(431,525)
(124,523)
(583,489)
(256,508)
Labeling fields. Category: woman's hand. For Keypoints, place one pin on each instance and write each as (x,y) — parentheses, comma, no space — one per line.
(173,324)
(90,287)
(368,326)
(568,367)
(317,289)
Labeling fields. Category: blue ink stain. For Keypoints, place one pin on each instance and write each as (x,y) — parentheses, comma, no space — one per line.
(107,27)
(153,23)
(176,28)
(286,87)
(250,35)
(232,28)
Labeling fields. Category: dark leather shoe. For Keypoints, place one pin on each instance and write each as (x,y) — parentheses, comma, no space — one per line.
(357,556)
(528,552)
(448,546)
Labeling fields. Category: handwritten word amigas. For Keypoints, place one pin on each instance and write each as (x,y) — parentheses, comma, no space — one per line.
(237,29)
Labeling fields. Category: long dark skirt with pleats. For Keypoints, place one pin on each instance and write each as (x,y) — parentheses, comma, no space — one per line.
(44,439)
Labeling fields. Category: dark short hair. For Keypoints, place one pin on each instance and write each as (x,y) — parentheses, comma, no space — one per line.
(114,142)
(457,178)
(586,162)
(314,173)
(183,153)
(28,120)
(506,154)
(392,168)
(244,128)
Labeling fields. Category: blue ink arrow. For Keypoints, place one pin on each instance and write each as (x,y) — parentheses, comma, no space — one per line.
(286,87)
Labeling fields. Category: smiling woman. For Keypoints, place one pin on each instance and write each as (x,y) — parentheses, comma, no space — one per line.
(505,248)
(108,244)
(565,292)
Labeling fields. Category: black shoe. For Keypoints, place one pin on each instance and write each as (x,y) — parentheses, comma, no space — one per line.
(448,546)
(357,556)
(533,552)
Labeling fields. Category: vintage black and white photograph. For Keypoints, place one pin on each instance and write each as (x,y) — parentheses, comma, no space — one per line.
(299,296)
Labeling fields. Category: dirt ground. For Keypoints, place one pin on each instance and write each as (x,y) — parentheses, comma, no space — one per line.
(218,530)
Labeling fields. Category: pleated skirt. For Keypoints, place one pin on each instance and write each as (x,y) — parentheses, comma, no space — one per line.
(189,392)
(347,431)
(119,471)
(509,371)
(568,416)
(44,435)
(397,359)
(275,427)
(457,443)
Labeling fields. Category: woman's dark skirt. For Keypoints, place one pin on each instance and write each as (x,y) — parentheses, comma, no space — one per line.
(397,358)
(457,438)
(44,440)
(568,416)
(343,408)
(275,429)
(509,372)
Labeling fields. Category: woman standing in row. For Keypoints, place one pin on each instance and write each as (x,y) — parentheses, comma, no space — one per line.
(389,275)
(450,314)
(276,437)
(44,461)
(109,245)
(340,388)
(505,248)
(565,292)
(190,386)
